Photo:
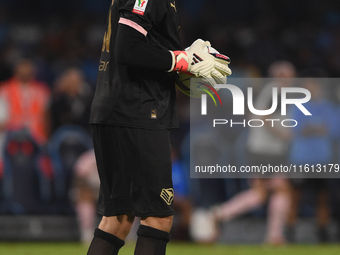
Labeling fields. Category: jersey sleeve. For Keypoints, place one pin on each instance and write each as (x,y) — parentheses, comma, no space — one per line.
(143,13)
(132,49)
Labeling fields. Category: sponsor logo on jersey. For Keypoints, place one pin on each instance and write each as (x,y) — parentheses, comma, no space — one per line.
(153,113)
(140,6)
(173,5)
(167,195)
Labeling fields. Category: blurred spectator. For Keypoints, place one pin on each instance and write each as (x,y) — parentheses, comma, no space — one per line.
(182,202)
(3,120)
(26,177)
(312,137)
(312,144)
(268,146)
(71,100)
(65,147)
(26,101)
(85,194)
(335,196)
(271,143)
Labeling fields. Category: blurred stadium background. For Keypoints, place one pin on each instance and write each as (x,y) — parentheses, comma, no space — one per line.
(47,174)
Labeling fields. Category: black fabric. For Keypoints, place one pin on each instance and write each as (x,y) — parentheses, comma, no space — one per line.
(153,233)
(132,49)
(155,13)
(104,244)
(131,85)
(135,171)
(117,242)
(151,241)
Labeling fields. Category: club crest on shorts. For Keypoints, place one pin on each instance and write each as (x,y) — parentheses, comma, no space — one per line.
(140,6)
(167,195)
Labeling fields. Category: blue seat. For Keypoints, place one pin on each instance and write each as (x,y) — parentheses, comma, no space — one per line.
(64,148)
(26,189)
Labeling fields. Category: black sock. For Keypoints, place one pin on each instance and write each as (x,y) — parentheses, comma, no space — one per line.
(104,243)
(151,241)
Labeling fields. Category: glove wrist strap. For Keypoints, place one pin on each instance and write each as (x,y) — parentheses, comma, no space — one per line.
(180,61)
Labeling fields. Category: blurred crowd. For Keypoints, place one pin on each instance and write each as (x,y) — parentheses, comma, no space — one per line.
(49,53)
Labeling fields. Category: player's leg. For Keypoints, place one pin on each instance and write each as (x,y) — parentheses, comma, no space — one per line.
(86,215)
(204,223)
(115,156)
(119,226)
(322,211)
(242,202)
(279,205)
(85,188)
(109,236)
(296,191)
(153,235)
(161,223)
(154,202)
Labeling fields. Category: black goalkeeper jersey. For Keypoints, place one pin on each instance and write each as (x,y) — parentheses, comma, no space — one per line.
(132,96)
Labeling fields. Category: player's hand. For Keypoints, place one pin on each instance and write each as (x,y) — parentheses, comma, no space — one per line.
(200,61)
(221,61)
(221,64)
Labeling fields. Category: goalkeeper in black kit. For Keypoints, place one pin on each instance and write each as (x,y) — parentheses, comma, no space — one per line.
(134,108)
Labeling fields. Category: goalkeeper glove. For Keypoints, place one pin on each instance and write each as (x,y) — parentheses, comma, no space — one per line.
(221,65)
(198,60)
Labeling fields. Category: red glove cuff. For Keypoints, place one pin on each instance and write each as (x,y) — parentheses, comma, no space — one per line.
(180,61)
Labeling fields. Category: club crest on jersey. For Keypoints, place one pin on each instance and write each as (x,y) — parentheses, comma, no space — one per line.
(140,6)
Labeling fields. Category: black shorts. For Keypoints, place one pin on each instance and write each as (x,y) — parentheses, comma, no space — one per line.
(135,171)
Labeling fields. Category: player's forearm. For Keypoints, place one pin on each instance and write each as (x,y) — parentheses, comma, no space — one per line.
(132,49)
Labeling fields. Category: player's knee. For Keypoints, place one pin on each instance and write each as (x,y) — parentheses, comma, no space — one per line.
(160,223)
(119,226)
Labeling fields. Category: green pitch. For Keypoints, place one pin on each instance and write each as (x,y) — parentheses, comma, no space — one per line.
(173,249)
